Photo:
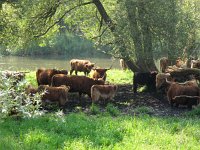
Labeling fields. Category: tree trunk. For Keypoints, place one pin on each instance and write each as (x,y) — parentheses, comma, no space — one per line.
(118,39)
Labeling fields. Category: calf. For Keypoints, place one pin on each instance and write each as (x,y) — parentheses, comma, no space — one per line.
(123,64)
(54,94)
(44,75)
(144,78)
(81,84)
(103,91)
(187,93)
(164,62)
(81,65)
(99,73)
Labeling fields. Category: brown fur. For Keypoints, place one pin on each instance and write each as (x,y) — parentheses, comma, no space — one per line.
(123,64)
(164,62)
(81,84)
(44,75)
(81,65)
(30,90)
(161,83)
(103,91)
(195,64)
(178,94)
(99,73)
(54,94)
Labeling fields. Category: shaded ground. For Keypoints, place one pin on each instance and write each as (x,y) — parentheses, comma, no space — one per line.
(128,103)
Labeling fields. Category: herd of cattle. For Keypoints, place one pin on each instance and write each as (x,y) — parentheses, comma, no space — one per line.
(57,83)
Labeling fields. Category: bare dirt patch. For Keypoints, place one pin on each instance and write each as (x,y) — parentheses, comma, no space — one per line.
(129,103)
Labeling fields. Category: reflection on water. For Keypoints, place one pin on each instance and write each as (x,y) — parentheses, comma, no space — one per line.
(33,63)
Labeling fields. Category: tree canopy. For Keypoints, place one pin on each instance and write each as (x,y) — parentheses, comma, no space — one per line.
(139,31)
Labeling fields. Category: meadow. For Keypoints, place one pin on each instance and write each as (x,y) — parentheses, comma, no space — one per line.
(110,129)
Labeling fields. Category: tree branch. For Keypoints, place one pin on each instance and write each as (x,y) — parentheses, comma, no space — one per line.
(83,4)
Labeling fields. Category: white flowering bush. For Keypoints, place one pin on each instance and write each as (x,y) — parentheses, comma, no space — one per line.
(14,101)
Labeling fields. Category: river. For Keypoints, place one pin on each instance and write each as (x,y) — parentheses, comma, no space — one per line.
(16,63)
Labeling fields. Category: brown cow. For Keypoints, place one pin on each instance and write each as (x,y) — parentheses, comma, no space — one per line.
(103,91)
(195,64)
(161,84)
(81,65)
(44,75)
(164,62)
(99,73)
(187,93)
(123,64)
(54,94)
(81,84)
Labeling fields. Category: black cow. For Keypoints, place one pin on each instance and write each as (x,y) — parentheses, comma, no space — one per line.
(145,78)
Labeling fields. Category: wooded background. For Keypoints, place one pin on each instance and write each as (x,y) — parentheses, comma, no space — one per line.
(140,31)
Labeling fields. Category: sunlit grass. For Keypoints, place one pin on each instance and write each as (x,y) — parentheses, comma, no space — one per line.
(79,131)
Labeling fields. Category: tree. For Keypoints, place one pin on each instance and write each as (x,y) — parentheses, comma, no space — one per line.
(137,30)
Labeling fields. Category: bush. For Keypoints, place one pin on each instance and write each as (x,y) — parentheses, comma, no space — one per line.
(14,101)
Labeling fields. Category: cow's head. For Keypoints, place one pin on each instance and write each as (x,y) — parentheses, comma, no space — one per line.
(89,66)
(161,80)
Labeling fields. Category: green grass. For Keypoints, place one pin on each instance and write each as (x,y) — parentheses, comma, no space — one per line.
(79,131)
(101,130)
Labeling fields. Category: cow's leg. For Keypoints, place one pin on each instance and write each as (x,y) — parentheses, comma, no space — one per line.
(71,71)
(76,72)
(135,87)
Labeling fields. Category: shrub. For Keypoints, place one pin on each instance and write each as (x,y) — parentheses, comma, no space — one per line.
(14,101)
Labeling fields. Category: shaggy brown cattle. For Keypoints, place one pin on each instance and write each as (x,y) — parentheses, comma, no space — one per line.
(81,84)
(54,94)
(164,62)
(195,64)
(123,64)
(99,73)
(44,75)
(181,63)
(145,78)
(103,91)
(161,84)
(81,65)
(30,90)
(187,93)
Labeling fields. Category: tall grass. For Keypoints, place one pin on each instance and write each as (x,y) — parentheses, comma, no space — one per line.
(79,131)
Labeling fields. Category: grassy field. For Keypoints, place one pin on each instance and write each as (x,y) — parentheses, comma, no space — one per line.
(78,131)
(106,130)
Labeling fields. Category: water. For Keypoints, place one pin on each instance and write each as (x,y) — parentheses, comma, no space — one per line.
(16,63)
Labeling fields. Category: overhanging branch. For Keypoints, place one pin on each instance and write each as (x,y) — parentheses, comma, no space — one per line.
(83,4)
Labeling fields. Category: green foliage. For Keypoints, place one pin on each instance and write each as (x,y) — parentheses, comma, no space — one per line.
(143,110)
(194,112)
(112,110)
(94,109)
(14,100)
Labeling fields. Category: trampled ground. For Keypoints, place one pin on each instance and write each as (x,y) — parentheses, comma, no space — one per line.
(129,103)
